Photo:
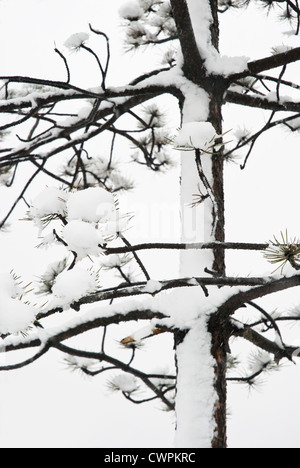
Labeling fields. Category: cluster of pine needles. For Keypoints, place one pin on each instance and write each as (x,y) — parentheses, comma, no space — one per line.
(284,251)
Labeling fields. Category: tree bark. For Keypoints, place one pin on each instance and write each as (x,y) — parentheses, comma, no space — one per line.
(216,329)
(219,353)
(214,86)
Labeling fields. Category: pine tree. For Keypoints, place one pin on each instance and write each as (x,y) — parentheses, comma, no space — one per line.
(80,209)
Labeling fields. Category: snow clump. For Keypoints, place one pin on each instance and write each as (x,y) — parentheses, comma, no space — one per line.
(75,41)
(92,205)
(72,285)
(131,11)
(124,383)
(153,286)
(15,316)
(82,238)
(50,201)
(200,135)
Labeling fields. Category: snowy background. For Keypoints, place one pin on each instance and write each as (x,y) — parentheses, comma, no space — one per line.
(45,405)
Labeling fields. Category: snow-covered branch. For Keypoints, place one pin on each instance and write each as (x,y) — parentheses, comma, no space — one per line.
(144,287)
(275,285)
(127,311)
(96,318)
(269,63)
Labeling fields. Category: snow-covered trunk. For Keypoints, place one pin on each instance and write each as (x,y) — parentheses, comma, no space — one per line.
(201,353)
(201,357)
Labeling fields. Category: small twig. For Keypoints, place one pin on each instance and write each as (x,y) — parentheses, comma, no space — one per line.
(66,64)
(249,380)
(269,318)
(138,260)
(267,126)
(111,151)
(105,70)
(21,196)
(279,82)
(88,49)
(103,339)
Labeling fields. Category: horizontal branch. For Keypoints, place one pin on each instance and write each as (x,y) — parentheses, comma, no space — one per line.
(187,246)
(264,343)
(63,91)
(138,289)
(274,61)
(269,63)
(52,135)
(272,286)
(105,316)
(261,102)
(76,328)
(109,316)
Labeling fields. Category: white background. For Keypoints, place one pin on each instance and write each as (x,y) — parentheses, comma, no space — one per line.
(47,406)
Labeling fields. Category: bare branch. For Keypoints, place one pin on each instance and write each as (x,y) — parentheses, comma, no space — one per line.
(118,364)
(187,246)
(261,103)
(21,196)
(264,343)
(44,349)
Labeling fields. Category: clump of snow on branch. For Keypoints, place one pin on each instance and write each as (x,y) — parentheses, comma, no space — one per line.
(92,205)
(162,381)
(83,214)
(153,287)
(75,41)
(124,383)
(50,202)
(224,65)
(71,285)
(79,363)
(147,22)
(83,238)
(98,208)
(131,11)
(196,135)
(15,315)
(115,261)
(84,221)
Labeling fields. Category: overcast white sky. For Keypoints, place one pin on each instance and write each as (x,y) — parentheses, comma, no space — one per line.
(47,406)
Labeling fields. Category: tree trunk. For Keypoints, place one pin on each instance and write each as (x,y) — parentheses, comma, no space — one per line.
(196,227)
(204,426)
(217,329)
